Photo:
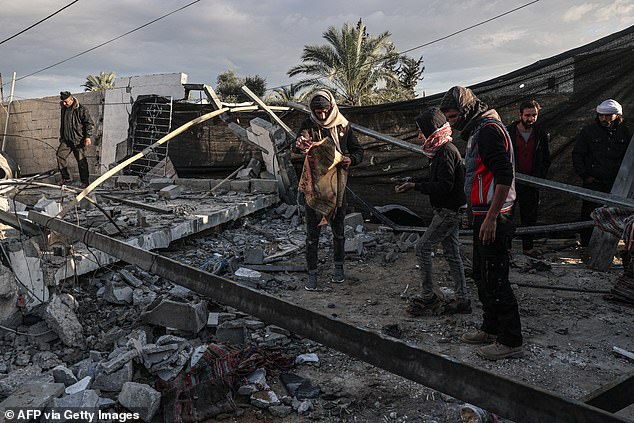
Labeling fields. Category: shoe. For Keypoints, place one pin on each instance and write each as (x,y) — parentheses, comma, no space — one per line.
(66,181)
(311,283)
(338,276)
(421,307)
(458,307)
(478,337)
(497,351)
(83,185)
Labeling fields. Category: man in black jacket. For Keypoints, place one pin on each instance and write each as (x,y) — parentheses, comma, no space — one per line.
(598,152)
(75,130)
(532,157)
(445,187)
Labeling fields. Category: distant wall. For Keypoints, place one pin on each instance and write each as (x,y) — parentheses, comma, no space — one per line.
(33,132)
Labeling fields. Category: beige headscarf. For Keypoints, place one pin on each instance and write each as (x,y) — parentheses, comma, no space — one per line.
(333,120)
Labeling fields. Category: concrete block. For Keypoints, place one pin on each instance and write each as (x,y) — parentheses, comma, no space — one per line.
(195,184)
(117,293)
(263,186)
(32,396)
(85,401)
(113,382)
(119,361)
(244,174)
(79,386)
(48,207)
(213,319)
(127,181)
(353,219)
(290,211)
(63,374)
(130,278)
(140,398)
(240,186)
(60,316)
(160,183)
(171,192)
(231,333)
(182,316)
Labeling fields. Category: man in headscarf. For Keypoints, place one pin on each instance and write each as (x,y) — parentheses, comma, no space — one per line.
(598,152)
(445,187)
(75,130)
(490,191)
(331,147)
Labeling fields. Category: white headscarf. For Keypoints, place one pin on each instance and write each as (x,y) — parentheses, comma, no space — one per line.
(333,120)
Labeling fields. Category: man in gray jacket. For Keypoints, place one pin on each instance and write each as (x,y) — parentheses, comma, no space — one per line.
(75,130)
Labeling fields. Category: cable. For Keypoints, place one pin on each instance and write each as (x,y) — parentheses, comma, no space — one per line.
(392,55)
(38,22)
(107,42)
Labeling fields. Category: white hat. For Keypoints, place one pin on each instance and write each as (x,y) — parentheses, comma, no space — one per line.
(610,107)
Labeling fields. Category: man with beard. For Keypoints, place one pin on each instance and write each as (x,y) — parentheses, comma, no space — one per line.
(532,157)
(490,191)
(597,154)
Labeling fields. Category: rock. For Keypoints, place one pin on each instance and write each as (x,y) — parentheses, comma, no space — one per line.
(264,399)
(231,333)
(143,297)
(85,401)
(307,358)
(79,386)
(117,293)
(258,377)
(46,360)
(22,359)
(16,378)
(113,382)
(280,410)
(60,316)
(130,278)
(31,395)
(240,186)
(189,317)
(140,398)
(63,374)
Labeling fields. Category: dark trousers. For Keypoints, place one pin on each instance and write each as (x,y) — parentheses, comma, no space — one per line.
(587,207)
(63,151)
(501,315)
(528,202)
(337,224)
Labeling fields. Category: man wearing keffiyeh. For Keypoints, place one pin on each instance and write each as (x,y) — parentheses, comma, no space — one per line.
(331,148)
(445,187)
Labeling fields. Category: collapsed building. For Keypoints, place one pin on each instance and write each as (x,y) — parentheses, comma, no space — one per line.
(178,321)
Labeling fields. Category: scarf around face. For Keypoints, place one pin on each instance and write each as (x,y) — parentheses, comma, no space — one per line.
(437,139)
(333,120)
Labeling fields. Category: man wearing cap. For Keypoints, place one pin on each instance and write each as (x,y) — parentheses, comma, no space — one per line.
(532,157)
(75,130)
(445,187)
(490,191)
(331,147)
(598,152)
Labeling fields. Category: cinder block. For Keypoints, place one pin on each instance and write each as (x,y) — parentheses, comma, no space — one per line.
(263,186)
(171,192)
(240,186)
(128,181)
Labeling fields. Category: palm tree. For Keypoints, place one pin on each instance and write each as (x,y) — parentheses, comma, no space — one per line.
(286,93)
(352,65)
(104,81)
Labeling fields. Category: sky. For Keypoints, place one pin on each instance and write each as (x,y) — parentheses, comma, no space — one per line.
(266,37)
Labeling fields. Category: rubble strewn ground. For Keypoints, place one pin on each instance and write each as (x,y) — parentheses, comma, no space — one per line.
(140,331)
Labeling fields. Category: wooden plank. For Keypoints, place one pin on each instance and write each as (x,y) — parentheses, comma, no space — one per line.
(472,383)
(270,112)
(613,396)
(136,157)
(602,246)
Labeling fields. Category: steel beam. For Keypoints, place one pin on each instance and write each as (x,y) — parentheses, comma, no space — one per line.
(500,394)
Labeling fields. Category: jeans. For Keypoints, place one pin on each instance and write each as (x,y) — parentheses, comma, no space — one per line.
(63,151)
(501,315)
(337,224)
(442,229)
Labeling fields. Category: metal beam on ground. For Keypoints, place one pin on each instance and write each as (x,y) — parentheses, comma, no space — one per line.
(509,398)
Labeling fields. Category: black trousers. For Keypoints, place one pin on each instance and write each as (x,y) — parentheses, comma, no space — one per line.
(501,315)
(587,207)
(528,202)
(337,224)
(63,151)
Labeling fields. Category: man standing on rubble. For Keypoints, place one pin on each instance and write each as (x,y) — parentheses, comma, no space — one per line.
(445,187)
(75,130)
(331,147)
(532,157)
(490,191)
(597,155)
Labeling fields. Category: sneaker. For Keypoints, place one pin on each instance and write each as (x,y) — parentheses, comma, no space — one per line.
(478,337)
(338,276)
(66,181)
(458,307)
(497,351)
(420,307)
(311,283)
(84,185)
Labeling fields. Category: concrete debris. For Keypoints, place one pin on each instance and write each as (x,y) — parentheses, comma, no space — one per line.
(307,358)
(18,377)
(130,278)
(171,192)
(79,386)
(8,293)
(231,332)
(280,410)
(48,207)
(182,316)
(63,374)
(140,398)
(264,399)
(240,186)
(32,395)
(264,186)
(243,272)
(86,401)
(127,181)
(157,184)
(112,382)
(117,293)
(59,314)
(353,220)
(45,359)
(253,256)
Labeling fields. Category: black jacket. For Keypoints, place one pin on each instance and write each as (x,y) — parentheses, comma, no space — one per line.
(347,139)
(542,150)
(76,124)
(445,185)
(598,151)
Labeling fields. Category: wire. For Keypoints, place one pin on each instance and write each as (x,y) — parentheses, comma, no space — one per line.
(392,55)
(38,22)
(107,42)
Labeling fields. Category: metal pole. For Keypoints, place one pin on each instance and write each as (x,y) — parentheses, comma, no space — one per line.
(6,122)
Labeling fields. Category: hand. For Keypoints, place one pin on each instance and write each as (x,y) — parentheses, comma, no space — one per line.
(303,141)
(87,142)
(487,230)
(346,162)
(404,187)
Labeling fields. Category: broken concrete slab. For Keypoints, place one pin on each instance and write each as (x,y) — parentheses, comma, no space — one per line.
(254,255)
(113,382)
(354,246)
(59,314)
(244,174)
(255,167)
(27,268)
(48,207)
(290,211)
(264,186)
(354,220)
(240,186)
(140,398)
(45,359)
(157,184)
(182,316)
(127,181)
(130,278)
(117,293)
(8,293)
(18,377)
(63,374)
(86,401)
(171,192)
(119,361)
(80,385)
(231,332)
(264,399)
(31,396)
